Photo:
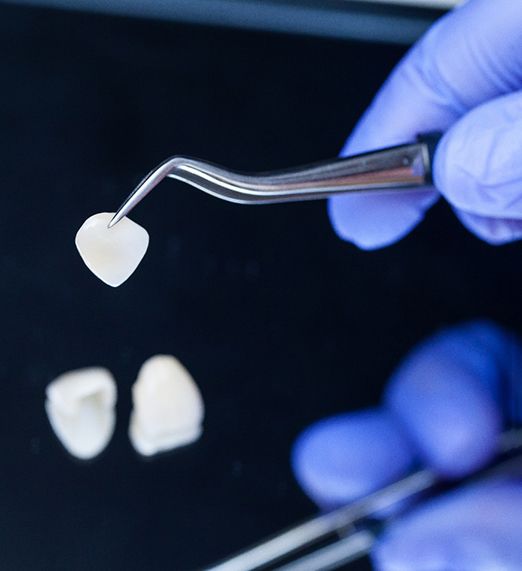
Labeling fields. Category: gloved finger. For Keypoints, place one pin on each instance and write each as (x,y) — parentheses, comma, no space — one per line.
(475,529)
(494,231)
(470,56)
(372,222)
(477,165)
(345,457)
(451,391)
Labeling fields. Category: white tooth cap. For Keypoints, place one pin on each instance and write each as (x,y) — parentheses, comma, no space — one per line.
(168,407)
(80,407)
(112,254)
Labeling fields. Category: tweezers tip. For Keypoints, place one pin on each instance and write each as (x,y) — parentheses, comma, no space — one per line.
(114,220)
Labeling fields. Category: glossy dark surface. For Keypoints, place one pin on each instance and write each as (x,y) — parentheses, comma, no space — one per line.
(279,321)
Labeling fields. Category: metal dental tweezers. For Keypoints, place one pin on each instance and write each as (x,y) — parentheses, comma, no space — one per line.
(353,529)
(400,168)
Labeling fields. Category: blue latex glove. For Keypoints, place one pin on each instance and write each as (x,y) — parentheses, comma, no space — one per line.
(442,408)
(464,78)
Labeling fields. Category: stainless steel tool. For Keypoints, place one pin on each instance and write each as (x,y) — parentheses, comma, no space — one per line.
(394,169)
(353,529)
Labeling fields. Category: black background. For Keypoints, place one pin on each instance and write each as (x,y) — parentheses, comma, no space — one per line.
(278,320)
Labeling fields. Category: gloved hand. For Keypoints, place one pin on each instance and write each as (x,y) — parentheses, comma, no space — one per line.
(443,409)
(463,78)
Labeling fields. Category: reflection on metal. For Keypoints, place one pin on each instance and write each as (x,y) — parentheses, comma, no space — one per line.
(331,18)
(395,169)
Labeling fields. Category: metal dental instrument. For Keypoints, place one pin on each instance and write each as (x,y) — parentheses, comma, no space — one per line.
(352,529)
(399,169)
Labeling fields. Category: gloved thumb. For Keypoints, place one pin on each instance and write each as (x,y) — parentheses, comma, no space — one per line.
(478,168)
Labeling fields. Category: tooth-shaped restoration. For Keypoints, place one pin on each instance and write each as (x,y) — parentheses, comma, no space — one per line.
(168,407)
(112,254)
(80,407)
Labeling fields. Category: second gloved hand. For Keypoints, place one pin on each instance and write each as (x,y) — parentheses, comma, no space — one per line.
(444,408)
